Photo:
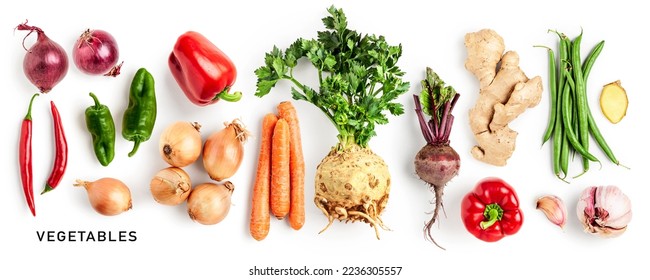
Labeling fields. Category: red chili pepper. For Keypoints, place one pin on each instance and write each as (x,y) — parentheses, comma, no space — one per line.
(491,210)
(203,71)
(61,145)
(25,157)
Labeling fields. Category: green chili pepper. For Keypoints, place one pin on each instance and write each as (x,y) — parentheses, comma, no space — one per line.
(140,116)
(102,129)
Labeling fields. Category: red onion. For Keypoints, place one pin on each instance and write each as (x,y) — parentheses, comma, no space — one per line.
(96,53)
(46,62)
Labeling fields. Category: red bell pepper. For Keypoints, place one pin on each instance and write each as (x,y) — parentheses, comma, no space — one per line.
(491,210)
(203,71)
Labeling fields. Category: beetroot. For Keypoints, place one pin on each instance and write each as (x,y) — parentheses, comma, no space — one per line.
(437,162)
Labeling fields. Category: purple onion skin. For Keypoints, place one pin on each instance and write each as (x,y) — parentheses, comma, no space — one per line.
(95,52)
(45,64)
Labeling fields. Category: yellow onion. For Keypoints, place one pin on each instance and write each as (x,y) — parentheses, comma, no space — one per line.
(180,143)
(108,196)
(223,151)
(209,203)
(170,186)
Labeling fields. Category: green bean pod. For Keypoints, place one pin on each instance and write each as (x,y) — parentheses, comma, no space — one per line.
(581,97)
(591,58)
(601,140)
(552,77)
(565,48)
(557,144)
(140,116)
(564,155)
(568,129)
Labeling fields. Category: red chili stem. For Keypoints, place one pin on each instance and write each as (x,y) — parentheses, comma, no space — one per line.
(25,158)
(61,145)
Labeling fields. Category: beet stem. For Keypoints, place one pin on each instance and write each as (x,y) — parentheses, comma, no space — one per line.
(443,121)
(447,132)
(426,132)
(453,102)
(434,131)
(436,124)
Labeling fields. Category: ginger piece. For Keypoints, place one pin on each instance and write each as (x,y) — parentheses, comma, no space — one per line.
(505,93)
(613,101)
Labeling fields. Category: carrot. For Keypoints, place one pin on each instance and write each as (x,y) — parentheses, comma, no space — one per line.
(287,112)
(260,215)
(280,181)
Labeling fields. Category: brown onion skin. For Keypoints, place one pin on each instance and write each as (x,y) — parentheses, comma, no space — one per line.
(209,203)
(223,151)
(108,196)
(171,186)
(180,144)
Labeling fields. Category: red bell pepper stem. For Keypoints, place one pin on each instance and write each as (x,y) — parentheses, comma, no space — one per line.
(61,145)
(25,157)
(230,97)
(491,210)
(493,213)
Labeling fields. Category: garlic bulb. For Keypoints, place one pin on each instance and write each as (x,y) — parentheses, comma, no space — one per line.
(604,211)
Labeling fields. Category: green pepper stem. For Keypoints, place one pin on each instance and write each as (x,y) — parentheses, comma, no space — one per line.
(29,110)
(97,104)
(227,96)
(493,213)
(136,145)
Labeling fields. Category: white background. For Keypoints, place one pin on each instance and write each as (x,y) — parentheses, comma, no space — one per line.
(169,244)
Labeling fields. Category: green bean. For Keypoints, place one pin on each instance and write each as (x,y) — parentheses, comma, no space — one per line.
(590,119)
(565,148)
(557,145)
(572,118)
(601,140)
(564,155)
(565,48)
(581,98)
(593,128)
(591,58)
(557,140)
(567,126)
(553,91)
(560,145)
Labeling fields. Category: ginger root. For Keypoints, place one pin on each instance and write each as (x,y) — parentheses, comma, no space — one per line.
(505,93)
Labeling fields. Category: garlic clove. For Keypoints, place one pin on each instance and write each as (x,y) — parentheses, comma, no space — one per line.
(554,209)
(619,212)
(604,211)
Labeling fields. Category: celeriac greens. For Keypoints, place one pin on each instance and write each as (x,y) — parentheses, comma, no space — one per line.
(358,76)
